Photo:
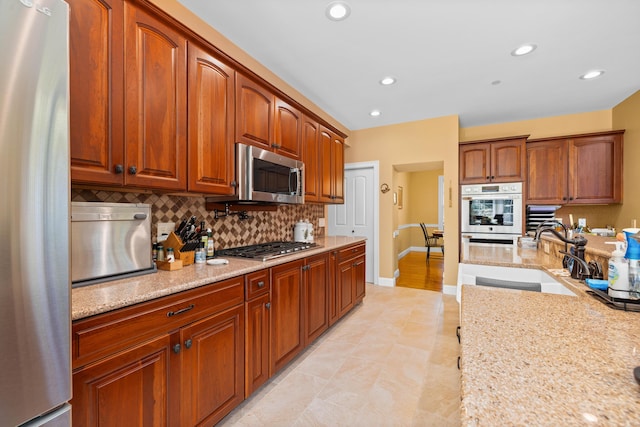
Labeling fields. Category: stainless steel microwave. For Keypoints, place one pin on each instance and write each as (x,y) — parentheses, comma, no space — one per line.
(265,177)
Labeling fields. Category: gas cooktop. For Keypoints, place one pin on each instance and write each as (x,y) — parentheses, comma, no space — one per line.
(266,251)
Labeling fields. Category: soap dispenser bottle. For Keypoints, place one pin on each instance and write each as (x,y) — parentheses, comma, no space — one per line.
(618,273)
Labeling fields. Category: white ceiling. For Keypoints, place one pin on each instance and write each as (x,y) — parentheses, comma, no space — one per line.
(444,53)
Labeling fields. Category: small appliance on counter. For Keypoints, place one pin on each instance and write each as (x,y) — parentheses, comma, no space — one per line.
(303,232)
(109,241)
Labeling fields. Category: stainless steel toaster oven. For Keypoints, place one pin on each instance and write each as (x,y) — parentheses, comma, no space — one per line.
(109,241)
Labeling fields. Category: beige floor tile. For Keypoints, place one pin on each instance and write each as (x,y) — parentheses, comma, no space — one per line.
(392,361)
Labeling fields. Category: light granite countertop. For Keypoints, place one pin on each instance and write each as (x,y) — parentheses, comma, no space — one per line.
(99,298)
(533,359)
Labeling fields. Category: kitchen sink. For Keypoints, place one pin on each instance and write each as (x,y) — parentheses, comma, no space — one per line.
(528,279)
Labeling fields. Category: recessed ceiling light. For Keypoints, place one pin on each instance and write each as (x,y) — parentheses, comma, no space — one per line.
(338,10)
(496,82)
(592,74)
(524,49)
(375,113)
(386,81)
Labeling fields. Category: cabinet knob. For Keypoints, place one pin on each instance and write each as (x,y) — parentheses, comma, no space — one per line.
(267,305)
(188,343)
(487,178)
(118,169)
(133,170)
(176,348)
(233,184)
(261,284)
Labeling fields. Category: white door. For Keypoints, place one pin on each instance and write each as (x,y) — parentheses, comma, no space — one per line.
(358,215)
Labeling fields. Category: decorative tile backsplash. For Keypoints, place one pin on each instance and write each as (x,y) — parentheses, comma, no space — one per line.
(262,226)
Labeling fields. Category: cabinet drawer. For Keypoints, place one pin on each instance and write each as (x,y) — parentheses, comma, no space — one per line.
(96,337)
(257,284)
(351,251)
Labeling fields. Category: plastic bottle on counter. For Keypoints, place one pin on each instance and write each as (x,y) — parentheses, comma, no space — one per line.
(619,273)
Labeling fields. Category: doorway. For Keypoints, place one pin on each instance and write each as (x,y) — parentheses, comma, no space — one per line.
(358,216)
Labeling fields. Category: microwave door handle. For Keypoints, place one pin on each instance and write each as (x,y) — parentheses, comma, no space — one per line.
(298,182)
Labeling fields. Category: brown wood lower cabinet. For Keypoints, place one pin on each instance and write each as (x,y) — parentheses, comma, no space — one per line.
(287,334)
(190,372)
(212,367)
(128,388)
(189,358)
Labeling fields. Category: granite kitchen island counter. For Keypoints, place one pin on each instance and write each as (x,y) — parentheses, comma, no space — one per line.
(99,298)
(534,359)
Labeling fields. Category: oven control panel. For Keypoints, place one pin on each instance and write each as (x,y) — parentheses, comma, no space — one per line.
(503,188)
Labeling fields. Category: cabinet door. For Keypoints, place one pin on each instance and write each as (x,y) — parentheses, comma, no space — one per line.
(211,123)
(287,302)
(316,280)
(96,91)
(311,159)
(213,367)
(508,161)
(288,130)
(474,163)
(547,172)
(359,278)
(257,340)
(133,387)
(345,287)
(254,113)
(595,165)
(155,102)
(325,143)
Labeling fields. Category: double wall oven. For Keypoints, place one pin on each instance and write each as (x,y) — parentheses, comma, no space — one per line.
(491,213)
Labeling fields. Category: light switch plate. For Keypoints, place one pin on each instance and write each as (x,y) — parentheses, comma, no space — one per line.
(320,222)
(582,222)
(164,228)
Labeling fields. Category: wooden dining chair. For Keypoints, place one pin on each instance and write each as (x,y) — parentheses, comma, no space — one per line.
(430,241)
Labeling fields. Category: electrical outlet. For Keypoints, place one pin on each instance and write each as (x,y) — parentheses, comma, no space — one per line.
(545,247)
(320,222)
(582,222)
(164,228)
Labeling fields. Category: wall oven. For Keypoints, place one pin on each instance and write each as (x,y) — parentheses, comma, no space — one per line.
(491,213)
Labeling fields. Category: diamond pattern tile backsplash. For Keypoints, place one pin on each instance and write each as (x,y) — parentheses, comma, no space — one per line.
(262,226)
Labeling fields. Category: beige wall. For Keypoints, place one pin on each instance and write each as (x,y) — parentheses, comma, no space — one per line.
(626,115)
(431,140)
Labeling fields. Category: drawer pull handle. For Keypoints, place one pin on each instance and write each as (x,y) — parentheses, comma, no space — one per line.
(182,310)
(261,284)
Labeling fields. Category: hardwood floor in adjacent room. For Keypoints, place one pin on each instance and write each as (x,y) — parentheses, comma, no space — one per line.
(416,273)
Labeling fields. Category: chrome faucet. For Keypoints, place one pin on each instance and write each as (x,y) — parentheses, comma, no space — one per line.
(580,269)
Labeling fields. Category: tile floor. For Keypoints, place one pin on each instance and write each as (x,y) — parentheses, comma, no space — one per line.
(392,361)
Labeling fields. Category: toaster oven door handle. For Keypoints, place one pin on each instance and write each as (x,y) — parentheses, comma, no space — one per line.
(140,216)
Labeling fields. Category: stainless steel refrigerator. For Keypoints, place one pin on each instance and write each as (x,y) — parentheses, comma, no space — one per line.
(35,366)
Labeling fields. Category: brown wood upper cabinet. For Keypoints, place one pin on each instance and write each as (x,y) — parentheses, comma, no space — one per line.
(494,160)
(265,121)
(311,159)
(96,91)
(211,120)
(155,102)
(331,166)
(578,169)
(128,111)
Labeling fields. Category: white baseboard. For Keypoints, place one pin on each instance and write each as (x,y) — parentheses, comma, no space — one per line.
(449,289)
(388,282)
(421,249)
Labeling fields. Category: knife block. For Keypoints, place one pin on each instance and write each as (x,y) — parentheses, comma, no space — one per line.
(174,242)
